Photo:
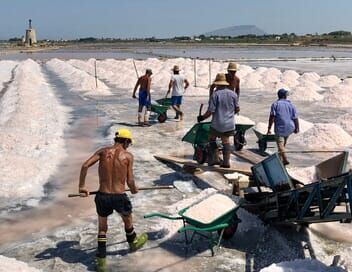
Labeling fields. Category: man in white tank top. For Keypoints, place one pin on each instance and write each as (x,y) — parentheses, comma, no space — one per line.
(179,84)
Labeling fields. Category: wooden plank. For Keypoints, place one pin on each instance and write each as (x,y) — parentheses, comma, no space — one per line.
(249,156)
(235,167)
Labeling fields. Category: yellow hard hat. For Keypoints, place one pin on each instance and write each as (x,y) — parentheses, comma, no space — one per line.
(124,133)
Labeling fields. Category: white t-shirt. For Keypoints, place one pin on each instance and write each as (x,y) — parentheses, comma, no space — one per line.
(178,85)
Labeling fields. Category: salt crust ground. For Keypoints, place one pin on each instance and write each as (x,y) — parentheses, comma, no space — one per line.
(12,265)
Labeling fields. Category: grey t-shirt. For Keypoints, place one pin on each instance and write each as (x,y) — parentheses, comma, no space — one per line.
(222,104)
(178,85)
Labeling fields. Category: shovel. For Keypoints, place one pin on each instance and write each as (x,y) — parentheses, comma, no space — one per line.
(127,190)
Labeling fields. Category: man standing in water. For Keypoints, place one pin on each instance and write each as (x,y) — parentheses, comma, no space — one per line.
(284,115)
(144,96)
(223,105)
(115,169)
(231,78)
(179,84)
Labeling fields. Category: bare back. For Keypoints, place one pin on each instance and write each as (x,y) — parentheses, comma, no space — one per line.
(114,167)
(234,82)
(144,82)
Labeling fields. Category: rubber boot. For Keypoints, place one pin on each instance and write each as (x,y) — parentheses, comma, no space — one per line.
(213,156)
(226,153)
(138,242)
(101,264)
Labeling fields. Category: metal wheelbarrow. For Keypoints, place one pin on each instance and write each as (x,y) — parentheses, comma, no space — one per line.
(198,137)
(161,108)
(263,140)
(225,225)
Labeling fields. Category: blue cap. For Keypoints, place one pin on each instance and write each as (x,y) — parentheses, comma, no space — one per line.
(282,93)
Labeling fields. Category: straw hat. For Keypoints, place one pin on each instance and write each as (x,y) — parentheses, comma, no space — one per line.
(221,80)
(176,68)
(232,67)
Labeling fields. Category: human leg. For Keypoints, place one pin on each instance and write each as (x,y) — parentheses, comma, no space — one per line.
(135,242)
(101,252)
(281,143)
(213,154)
(140,109)
(226,152)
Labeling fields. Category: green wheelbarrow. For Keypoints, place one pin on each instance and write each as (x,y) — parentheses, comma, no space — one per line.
(160,108)
(198,137)
(225,226)
(263,140)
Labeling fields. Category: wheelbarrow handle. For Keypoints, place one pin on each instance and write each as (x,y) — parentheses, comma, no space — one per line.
(162,215)
(212,228)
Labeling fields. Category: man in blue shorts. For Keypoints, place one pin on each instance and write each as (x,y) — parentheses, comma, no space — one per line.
(179,84)
(144,99)
(284,115)
(115,171)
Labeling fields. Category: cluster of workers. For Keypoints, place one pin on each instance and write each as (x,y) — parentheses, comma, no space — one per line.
(116,163)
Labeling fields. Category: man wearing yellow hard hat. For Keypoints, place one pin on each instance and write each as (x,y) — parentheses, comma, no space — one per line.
(115,170)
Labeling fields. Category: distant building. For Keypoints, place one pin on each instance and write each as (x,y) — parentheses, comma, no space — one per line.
(30,38)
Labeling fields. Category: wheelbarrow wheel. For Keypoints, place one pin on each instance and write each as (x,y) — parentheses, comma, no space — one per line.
(230,230)
(262,145)
(200,154)
(162,117)
(239,140)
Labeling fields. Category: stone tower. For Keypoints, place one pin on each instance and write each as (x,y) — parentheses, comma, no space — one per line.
(31,38)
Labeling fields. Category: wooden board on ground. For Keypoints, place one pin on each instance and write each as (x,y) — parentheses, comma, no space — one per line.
(249,156)
(235,167)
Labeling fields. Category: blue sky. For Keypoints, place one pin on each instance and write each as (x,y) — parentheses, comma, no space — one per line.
(165,18)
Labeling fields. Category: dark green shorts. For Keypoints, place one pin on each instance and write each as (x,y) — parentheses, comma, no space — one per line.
(216,133)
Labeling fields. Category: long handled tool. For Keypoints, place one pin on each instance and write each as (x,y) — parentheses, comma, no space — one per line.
(140,189)
(311,151)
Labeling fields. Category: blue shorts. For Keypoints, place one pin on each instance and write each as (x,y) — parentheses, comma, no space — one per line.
(176,100)
(143,98)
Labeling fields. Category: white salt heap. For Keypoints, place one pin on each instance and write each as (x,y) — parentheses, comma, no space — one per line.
(304,125)
(77,79)
(211,208)
(309,76)
(339,97)
(32,124)
(270,75)
(305,175)
(345,121)
(12,265)
(347,81)
(329,81)
(252,81)
(290,78)
(243,120)
(304,93)
(324,136)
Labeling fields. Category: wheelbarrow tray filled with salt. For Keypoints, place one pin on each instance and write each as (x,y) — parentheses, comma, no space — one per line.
(216,213)
(160,108)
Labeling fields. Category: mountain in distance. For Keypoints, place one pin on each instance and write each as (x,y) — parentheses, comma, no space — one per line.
(234,31)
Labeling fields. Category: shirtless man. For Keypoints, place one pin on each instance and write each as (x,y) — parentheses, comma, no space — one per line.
(231,78)
(144,83)
(115,169)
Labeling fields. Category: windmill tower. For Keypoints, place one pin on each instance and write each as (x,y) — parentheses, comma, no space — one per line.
(31,38)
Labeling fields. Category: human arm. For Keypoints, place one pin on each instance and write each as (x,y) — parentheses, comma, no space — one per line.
(237,87)
(84,169)
(270,123)
(135,89)
(169,87)
(130,177)
(296,125)
(206,115)
(186,83)
(149,83)
(211,90)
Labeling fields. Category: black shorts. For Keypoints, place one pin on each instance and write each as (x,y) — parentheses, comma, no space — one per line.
(216,133)
(106,203)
